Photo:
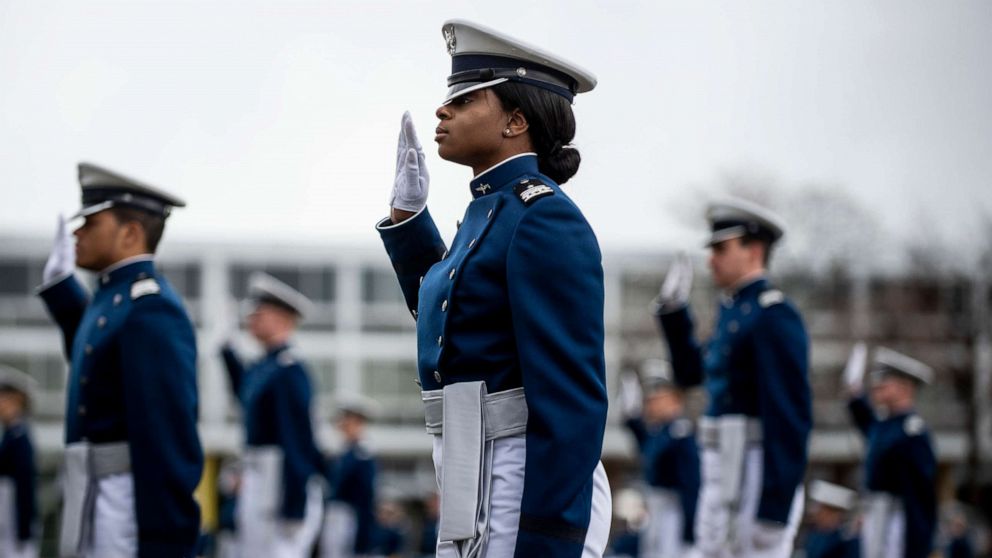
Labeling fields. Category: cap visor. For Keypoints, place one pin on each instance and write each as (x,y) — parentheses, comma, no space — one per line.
(460,89)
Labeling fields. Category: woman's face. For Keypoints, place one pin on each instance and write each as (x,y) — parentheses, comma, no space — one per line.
(470,131)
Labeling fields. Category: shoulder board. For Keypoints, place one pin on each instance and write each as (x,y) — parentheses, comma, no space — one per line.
(286,358)
(913,425)
(681,428)
(144,287)
(770,298)
(531,190)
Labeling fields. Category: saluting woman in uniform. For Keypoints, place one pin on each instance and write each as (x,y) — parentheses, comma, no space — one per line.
(510,317)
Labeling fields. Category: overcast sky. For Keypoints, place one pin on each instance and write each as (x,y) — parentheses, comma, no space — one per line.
(277,121)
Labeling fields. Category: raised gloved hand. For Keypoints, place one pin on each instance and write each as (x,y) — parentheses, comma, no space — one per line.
(674,292)
(631,395)
(62,260)
(854,371)
(767,535)
(412,179)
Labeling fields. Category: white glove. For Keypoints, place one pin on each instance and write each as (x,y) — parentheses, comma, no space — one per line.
(674,292)
(62,260)
(412,180)
(630,395)
(767,535)
(854,371)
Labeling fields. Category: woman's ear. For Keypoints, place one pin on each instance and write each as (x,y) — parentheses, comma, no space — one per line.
(517,123)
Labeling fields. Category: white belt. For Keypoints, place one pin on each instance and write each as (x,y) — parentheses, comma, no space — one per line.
(85,464)
(729,436)
(467,417)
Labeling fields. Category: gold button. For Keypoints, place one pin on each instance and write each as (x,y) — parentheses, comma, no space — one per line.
(88,350)
(437,376)
(118,298)
(444,306)
(451,275)
(733,326)
(101,321)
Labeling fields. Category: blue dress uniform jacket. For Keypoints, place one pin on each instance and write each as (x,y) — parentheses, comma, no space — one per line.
(831,544)
(901,462)
(518,301)
(132,352)
(17,464)
(352,481)
(755,364)
(275,398)
(670,460)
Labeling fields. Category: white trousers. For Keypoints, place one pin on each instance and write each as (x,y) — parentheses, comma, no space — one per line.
(337,540)
(884,528)
(723,532)
(662,534)
(9,545)
(509,456)
(115,526)
(261,533)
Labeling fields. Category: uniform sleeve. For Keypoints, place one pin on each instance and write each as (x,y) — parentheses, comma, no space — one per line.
(158,355)
(364,479)
(637,428)
(66,301)
(235,369)
(781,352)
(413,247)
(862,414)
(296,439)
(687,358)
(555,284)
(25,487)
(918,489)
(689,481)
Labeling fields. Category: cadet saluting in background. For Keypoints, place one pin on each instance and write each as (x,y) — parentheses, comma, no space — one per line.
(18,501)
(132,457)
(900,514)
(280,501)
(755,367)
(510,320)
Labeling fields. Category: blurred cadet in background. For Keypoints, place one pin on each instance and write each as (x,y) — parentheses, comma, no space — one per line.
(829,536)
(228,486)
(900,510)
(133,455)
(389,538)
(669,458)
(280,499)
(756,428)
(18,474)
(958,536)
(427,545)
(349,520)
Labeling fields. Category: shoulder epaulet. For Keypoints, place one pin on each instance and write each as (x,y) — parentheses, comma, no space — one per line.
(530,190)
(913,425)
(681,428)
(144,287)
(770,297)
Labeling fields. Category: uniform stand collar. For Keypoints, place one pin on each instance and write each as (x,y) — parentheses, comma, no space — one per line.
(494,178)
(745,290)
(138,267)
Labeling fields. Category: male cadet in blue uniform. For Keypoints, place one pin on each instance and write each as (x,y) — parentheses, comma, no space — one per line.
(669,459)
(133,457)
(279,505)
(18,504)
(755,368)
(349,523)
(900,514)
(828,536)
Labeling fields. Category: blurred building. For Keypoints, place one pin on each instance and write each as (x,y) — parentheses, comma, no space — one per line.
(361,339)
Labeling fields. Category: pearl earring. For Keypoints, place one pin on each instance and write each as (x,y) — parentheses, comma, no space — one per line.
(506,132)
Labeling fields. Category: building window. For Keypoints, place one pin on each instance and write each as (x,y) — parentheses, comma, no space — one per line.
(393,385)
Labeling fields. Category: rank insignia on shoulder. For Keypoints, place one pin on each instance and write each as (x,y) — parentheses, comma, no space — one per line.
(913,425)
(532,190)
(144,287)
(770,298)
